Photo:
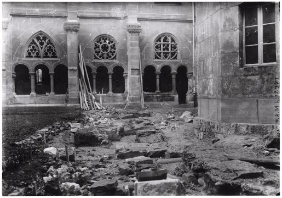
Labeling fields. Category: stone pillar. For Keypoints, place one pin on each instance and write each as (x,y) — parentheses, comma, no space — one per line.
(110,83)
(52,83)
(72,28)
(134,30)
(158,82)
(94,83)
(191,88)
(173,74)
(125,75)
(32,83)
(14,83)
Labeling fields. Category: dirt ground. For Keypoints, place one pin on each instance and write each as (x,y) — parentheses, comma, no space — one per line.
(203,166)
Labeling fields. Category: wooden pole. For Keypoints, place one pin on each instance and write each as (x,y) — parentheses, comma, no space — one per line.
(141,82)
(44,137)
(74,153)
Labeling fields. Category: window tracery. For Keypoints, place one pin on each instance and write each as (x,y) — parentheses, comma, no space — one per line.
(104,48)
(166,47)
(41,47)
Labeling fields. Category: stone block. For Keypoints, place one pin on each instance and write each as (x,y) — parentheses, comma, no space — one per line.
(104,187)
(128,153)
(266,111)
(239,110)
(89,138)
(149,136)
(168,187)
(139,160)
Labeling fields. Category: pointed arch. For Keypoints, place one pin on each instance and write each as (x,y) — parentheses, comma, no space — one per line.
(40,45)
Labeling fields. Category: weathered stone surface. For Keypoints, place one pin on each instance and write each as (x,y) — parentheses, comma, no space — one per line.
(189,178)
(256,189)
(139,160)
(125,169)
(104,186)
(151,175)
(149,136)
(51,151)
(129,153)
(187,116)
(168,187)
(18,192)
(69,188)
(156,153)
(90,138)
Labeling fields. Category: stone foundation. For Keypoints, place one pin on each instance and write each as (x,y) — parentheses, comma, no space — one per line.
(208,128)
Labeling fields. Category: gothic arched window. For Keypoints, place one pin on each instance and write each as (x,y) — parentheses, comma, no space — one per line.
(105,48)
(166,47)
(41,47)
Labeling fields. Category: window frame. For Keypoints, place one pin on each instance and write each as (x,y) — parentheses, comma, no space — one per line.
(177,45)
(260,44)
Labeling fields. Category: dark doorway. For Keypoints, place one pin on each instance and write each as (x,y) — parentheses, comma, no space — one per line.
(42,79)
(165,79)
(60,79)
(181,84)
(149,79)
(102,80)
(22,80)
(118,80)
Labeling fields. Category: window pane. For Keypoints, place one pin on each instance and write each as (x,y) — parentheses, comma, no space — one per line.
(269,33)
(268,13)
(269,53)
(251,35)
(251,54)
(251,16)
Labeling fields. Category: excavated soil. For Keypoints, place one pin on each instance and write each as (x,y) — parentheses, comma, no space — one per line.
(203,168)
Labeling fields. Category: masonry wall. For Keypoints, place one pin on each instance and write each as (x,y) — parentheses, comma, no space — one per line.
(229,92)
(26,19)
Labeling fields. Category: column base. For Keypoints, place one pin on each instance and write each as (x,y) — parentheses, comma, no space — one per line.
(52,93)
(32,94)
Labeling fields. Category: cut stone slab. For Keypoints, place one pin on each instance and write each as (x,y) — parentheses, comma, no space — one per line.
(139,160)
(149,136)
(187,116)
(151,175)
(125,169)
(156,152)
(128,153)
(168,187)
(105,186)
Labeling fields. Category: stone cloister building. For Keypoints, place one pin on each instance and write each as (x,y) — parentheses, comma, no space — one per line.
(114,37)
(227,53)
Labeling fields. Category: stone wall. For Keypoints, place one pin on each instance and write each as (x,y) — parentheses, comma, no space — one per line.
(27,19)
(228,92)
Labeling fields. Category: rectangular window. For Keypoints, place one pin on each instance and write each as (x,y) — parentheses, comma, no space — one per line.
(259,41)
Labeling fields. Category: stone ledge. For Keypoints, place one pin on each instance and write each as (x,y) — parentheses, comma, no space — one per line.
(209,128)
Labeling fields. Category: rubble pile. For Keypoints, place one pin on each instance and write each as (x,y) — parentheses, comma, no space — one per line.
(117,152)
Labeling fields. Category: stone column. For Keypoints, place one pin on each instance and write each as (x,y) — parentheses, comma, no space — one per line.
(110,83)
(72,28)
(125,75)
(173,75)
(190,91)
(52,83)
(94,82)
(32,83)
(158,82)
(134,30)
(14,83)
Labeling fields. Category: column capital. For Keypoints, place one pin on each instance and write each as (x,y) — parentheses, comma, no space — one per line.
(5,23)
(173,73)
(51,73)
(125,75)
(72,26)
(31,73)
(158,73)
(189,75)
(94,73)
(14,75)
(110,73)
(133,28)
